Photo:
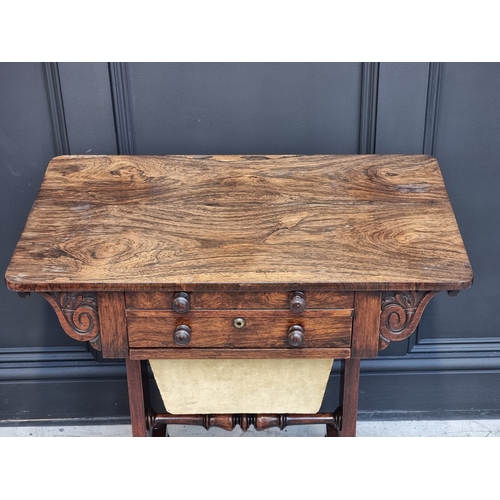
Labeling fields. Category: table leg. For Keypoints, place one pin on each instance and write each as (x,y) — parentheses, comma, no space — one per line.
(136,397)
(331,431)
(160,431)
(349,396)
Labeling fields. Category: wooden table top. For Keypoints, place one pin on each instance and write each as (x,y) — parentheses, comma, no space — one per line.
(125,223)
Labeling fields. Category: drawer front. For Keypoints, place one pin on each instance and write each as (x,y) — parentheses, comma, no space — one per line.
(239,300)
(228,329)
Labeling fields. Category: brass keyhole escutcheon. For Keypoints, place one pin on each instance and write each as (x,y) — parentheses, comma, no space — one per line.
(239,322)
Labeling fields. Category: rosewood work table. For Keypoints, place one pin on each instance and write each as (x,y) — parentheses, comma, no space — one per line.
(240,258)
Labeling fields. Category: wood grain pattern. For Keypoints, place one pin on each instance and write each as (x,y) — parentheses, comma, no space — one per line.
(114,338)
(263,329)
(239,300)
(136,397)
(229,353)
(350,396)
(366,325)
(131,223)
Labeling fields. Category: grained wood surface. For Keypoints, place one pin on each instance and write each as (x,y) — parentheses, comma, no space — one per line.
(136,397)
(114,341)
(238,353)
(130,223)
(265,329)
(350,396)
(366,325)
(239,300)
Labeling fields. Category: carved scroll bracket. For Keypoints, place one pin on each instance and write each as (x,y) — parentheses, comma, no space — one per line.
(77,313)
(401,313)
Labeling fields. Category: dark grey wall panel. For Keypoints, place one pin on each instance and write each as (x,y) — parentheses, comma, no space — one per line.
(245,108)
(64,401)
(120,92)
(468,149)
(88,108)
(402,94)
(26,146)
(56,108)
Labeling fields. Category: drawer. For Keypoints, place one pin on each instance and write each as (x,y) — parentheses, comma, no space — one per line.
(239,300)
(226,329)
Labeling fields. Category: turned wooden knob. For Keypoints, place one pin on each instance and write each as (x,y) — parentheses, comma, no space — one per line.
(182,335)
(297,302)
(295,336)
(181,303)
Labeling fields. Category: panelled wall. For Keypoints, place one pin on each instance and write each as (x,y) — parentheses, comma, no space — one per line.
(449,369)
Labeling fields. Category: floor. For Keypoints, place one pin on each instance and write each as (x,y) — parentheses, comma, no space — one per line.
(451,466)
(421,428)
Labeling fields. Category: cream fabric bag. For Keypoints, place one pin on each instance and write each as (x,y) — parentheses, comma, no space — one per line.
(242,385)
